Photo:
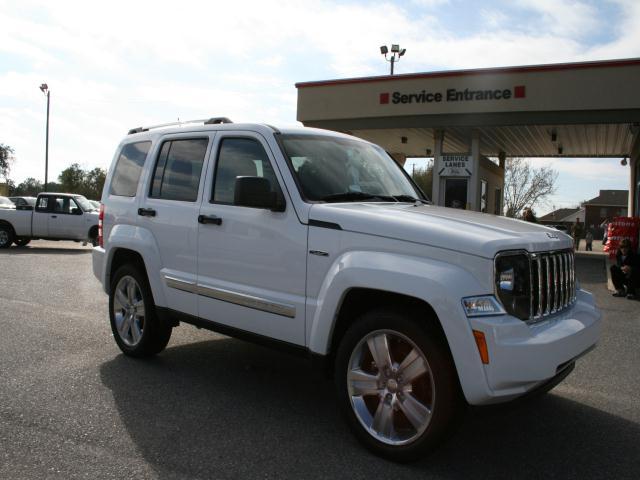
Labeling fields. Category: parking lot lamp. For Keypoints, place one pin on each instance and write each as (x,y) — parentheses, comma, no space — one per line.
(396,53)
(45,89)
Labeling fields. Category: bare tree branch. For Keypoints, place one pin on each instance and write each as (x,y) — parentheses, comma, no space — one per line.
(525,186)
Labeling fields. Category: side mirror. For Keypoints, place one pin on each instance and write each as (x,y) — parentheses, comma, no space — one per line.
(256,192)
(76,211)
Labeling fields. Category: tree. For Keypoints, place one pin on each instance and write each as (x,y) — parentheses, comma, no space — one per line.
(6,159)
(525,186)
(424,179)
(94,182)
(72,179)
(29,188)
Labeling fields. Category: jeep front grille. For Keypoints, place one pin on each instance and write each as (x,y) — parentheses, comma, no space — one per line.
(553,283)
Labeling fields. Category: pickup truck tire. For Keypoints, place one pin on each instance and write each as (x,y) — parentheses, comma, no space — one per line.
(135,325)
(6,236)
(21,241)
(397,384)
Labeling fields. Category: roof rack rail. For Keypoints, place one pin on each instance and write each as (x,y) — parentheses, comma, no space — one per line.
(205,121)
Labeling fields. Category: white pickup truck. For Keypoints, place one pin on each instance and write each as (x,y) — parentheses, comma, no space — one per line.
(56,216)
(320,244)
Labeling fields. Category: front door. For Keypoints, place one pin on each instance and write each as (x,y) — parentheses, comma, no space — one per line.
(67,220)
(251,261)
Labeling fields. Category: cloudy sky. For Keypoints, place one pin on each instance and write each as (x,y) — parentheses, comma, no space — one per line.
(116,65)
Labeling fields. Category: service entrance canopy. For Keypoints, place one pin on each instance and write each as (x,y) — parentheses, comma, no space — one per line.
(580,109)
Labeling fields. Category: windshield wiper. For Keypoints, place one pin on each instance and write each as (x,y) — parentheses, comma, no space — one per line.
(409,198)
(355,196)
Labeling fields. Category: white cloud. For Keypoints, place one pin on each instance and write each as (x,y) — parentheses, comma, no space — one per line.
(123,64)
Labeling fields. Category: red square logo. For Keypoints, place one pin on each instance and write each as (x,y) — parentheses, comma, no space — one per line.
(384,98)
(519,91)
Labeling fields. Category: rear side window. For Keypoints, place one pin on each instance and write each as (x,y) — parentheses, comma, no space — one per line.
(178,169)
(125,178)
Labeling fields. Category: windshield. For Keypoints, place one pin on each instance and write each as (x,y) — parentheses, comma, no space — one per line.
(84,204)
(334,169)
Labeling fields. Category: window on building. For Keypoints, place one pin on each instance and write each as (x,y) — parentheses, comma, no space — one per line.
(483,196)
(498,202)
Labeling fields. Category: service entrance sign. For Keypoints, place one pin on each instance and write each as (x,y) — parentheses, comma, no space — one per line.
(455,165)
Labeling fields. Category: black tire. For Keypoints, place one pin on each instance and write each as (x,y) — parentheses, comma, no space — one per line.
(21,241)
(436,389)
(6,236)
(147,334)
(93,237)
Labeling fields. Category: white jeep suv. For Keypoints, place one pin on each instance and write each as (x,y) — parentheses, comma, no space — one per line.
(319,243)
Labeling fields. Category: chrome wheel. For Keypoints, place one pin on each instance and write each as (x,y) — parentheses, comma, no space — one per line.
(391,387)
(4,237)
(128,310)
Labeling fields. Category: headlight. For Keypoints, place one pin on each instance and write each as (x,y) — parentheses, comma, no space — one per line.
(482,306)
(513,283)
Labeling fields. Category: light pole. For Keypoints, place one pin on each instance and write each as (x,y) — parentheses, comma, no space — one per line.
(45,89)
(396,53)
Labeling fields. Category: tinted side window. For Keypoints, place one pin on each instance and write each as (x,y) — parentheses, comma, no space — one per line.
(240,157)
(178,169)
(128,168)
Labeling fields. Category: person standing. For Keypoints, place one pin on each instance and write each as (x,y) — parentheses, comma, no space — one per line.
(576,233)
(588,238)
(626,272)
(529,216)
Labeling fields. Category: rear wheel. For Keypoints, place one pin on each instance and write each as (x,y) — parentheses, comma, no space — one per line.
(135,325)
(6,236)
(397,385)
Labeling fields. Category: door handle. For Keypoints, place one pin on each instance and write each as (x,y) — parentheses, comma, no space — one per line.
(204,219)
(54,216)
(146,212)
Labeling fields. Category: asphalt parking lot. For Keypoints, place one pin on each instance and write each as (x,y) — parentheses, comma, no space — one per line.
(72,406)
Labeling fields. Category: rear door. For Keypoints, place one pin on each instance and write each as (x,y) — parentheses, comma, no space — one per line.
(169,209)
(251,261)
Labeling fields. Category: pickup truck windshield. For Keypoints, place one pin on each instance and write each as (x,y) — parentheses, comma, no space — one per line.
(333,169)
(85,205)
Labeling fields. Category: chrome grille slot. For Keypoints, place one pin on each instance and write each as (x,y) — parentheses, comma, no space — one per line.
(552,283)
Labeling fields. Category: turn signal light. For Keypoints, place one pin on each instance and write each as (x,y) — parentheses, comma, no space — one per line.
(482,346)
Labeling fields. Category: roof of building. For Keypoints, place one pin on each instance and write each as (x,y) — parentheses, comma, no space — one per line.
(614,198)
(558,215)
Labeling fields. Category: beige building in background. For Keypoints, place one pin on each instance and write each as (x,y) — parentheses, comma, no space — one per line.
(464,118)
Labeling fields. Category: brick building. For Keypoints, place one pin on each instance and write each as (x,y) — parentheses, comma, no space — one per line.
(609,204)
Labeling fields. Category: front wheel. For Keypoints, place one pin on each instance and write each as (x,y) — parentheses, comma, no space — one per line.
(6,236)
(135,325)
(396,384)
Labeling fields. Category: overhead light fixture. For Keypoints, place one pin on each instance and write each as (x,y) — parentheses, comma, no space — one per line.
(554,136)
(384,50)
(395,48)
(623,162)
(403,139)
(560,149)
(396,53)
(402,52)
(428,151)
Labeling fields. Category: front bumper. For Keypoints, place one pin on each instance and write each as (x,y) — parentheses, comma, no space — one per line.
(522,357)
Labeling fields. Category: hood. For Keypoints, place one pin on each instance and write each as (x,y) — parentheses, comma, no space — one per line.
(464,231)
